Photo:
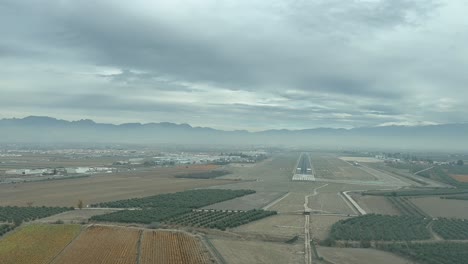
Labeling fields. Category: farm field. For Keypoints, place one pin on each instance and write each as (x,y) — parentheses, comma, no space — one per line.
(372,227)
(375,204)
(286,226)
(248,202)
(320,225)
(329,202)
(27,245)
(172,247)
(440,253)
(100,188)
(436,207)
(76,216)
(460,177)
(100,244)
(241,252)
(359,256)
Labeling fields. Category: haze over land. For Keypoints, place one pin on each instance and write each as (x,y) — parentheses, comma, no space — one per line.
(49,130)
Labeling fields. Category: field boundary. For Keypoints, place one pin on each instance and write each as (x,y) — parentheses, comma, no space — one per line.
(68,245)
(213,251)
(355,206)
(266,207)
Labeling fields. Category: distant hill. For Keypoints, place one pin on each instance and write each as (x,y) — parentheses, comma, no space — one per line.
(35,129)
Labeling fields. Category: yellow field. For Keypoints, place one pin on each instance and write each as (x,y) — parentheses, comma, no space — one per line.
(172,247)
(103,245)
(36,244)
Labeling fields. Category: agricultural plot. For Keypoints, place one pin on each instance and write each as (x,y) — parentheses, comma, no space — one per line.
(247,202)
(172,247)
(5,228)
(75,216)
(451,228)
(241,252)
(436,207)
(282,225)
(327,203)
(15,214)
(375,204)
(431,253)
(187,199)
(28,245)
(359,256)
(145,216)
(104,245)
(101,188)
(320,225)
(219,219)
(406,207)
(380,227)
(460,177)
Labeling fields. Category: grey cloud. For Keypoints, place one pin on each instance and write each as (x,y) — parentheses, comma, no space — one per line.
(346,60)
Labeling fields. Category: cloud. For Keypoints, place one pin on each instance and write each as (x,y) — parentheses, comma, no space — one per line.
(237,64)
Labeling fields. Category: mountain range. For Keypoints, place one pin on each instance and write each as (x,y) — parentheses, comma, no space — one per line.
(35,129)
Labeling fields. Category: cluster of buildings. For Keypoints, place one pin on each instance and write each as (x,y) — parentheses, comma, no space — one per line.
(60,171)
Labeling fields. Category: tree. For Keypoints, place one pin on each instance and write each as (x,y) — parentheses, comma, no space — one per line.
(460,163)
(29,204)
(80,204)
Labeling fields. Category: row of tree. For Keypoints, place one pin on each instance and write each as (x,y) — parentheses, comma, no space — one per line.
(186,199)
(381,227)
(451,228)
(219,219)
(430,253)
(17,215)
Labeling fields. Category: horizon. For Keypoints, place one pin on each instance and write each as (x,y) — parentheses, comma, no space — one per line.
(244,130)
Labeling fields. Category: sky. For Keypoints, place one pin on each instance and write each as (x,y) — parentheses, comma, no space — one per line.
(241,64)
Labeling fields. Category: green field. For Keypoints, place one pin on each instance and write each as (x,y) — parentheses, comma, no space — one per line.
(373,227)
(431,253)
(455,229)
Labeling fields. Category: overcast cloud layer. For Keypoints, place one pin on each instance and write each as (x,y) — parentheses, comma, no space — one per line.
(237,64)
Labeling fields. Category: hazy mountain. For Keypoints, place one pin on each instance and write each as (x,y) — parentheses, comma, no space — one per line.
(50,130)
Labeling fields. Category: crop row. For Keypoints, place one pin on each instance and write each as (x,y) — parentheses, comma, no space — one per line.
(104,245)
(19,214)
(425,192)
(5,228)
(219,219)
(381,227)
(455,197)
(172,247)
(144,216)
(451,228)
(186,199)
(37,244)
(431,253)
(406,207)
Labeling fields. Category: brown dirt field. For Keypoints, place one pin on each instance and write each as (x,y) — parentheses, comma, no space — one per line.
(359,256)
(329,202)
(101,188)
(320,225)
(375,204)
(460,177)
(172,247)
(103,245)
(277,225)
(242,252)
(436,207)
